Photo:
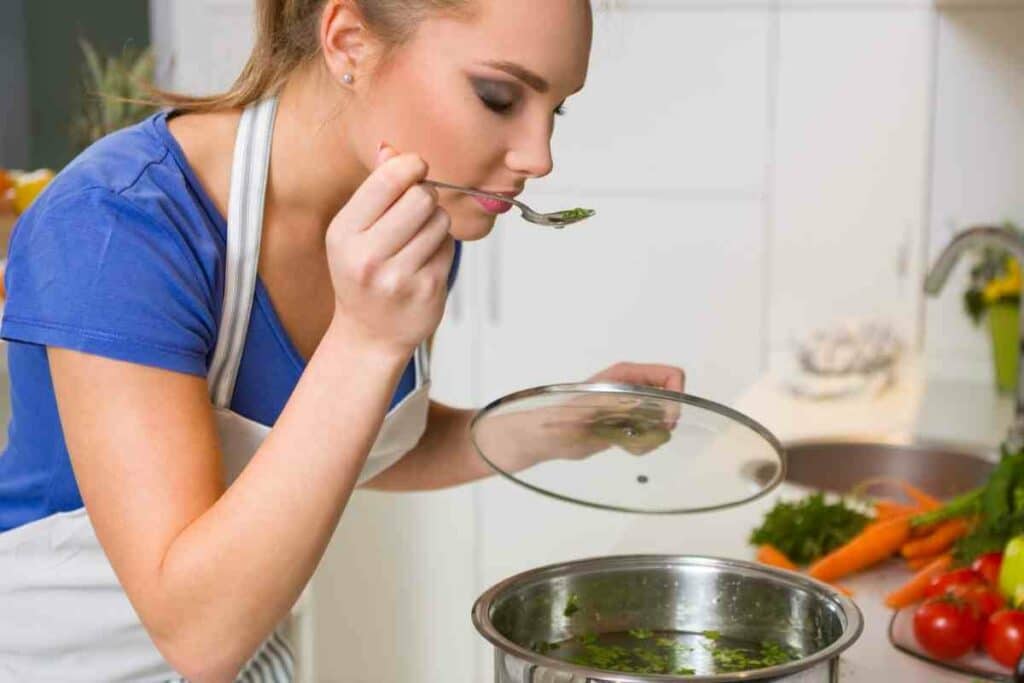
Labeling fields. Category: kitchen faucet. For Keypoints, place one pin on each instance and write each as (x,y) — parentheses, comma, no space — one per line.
(972,238)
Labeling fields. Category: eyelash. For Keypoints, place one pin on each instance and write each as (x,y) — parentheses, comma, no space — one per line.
(502,108)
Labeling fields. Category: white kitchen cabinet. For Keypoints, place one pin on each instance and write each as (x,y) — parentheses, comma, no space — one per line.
(646,280)
(686,293)
(849,168)
(674,104)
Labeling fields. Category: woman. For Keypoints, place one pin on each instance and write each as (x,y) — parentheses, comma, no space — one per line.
(217,323)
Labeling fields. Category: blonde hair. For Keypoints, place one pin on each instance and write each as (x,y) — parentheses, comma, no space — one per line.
(286,39)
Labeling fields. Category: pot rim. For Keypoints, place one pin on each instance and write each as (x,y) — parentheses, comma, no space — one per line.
(852,630)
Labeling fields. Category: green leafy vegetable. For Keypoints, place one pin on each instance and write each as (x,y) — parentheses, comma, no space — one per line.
(997,509)
(573,214)
(810,528)
(572,606)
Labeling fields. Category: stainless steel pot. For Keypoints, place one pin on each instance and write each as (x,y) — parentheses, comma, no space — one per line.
(684,594)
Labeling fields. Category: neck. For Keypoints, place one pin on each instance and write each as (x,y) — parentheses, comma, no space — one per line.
(313,168)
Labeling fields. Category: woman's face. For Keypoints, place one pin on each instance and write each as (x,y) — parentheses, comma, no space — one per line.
(477,98)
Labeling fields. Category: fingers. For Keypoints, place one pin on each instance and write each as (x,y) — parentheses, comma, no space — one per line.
(419,250)
(645,374)
(389,181)
(403,221)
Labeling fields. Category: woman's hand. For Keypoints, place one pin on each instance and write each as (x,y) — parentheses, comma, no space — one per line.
(645,374)
(390,253)
(584,425)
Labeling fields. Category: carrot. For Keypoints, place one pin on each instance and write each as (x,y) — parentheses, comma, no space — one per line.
(872,545)
(920,498)
(772,556)
(919,563)
(924,500)
(913,590)
(842,589)
(884,509)
(937,541)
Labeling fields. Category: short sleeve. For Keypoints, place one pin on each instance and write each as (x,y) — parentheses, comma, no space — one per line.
(91,271)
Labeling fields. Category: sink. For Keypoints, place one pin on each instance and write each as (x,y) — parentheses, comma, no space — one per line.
(943,470)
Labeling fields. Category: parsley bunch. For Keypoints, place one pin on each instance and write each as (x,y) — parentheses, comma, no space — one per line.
(808,529)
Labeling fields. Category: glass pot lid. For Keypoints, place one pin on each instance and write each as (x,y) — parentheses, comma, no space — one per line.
(628,448)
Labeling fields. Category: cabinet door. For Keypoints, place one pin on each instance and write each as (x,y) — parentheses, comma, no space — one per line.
(850,168)
(394,591)
(664,281)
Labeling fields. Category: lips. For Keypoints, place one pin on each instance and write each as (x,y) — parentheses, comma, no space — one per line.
(494,206)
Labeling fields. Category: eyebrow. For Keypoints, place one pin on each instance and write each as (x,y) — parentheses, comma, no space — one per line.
(522,73)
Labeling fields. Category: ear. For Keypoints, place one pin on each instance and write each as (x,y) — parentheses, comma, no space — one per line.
(348,46)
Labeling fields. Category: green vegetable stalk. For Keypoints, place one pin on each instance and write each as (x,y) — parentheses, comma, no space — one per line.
(964,505)
(997,507)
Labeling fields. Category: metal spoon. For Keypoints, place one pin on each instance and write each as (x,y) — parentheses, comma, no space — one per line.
(556,219)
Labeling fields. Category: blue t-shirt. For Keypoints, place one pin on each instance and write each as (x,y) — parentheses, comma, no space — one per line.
(123,256)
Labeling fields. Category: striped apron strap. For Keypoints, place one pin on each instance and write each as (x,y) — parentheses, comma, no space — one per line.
(249,170)
(274,661)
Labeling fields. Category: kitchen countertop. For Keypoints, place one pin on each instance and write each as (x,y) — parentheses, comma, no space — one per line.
(915,407)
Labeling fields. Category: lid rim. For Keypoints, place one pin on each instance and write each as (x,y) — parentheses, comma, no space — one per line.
(642,391)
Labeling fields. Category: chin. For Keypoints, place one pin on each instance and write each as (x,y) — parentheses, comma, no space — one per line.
(471,227)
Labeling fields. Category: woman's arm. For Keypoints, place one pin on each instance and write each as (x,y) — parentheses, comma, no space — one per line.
(446,456)
(211,571)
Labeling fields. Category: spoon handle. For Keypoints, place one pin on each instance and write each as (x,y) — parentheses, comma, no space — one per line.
(470,190)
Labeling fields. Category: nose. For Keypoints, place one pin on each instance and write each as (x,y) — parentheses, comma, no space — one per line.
(531,155)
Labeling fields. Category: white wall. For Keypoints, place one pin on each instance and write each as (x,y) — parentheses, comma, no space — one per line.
(200,45)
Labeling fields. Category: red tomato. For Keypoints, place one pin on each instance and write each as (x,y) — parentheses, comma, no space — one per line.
(982,598)
(988,565)
(958,577)
(946,627)
(1004,637)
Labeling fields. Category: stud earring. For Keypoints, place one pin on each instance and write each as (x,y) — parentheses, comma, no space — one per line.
(348,78)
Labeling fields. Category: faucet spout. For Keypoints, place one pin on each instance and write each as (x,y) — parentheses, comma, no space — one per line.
(973,238)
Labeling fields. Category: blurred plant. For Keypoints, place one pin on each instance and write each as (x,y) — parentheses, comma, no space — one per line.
(995,278)
(115,92)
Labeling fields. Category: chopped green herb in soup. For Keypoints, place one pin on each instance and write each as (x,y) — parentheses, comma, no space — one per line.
(572,606)
(667,652)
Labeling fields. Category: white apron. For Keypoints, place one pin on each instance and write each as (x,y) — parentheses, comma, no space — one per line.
(64,617)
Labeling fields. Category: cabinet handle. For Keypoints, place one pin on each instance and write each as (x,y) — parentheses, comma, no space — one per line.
(456,299)
(494,280)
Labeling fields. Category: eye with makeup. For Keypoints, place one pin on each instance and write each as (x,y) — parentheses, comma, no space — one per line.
(501,96)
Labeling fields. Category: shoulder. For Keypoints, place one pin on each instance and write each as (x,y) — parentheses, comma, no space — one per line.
(129,186)
(118,248)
